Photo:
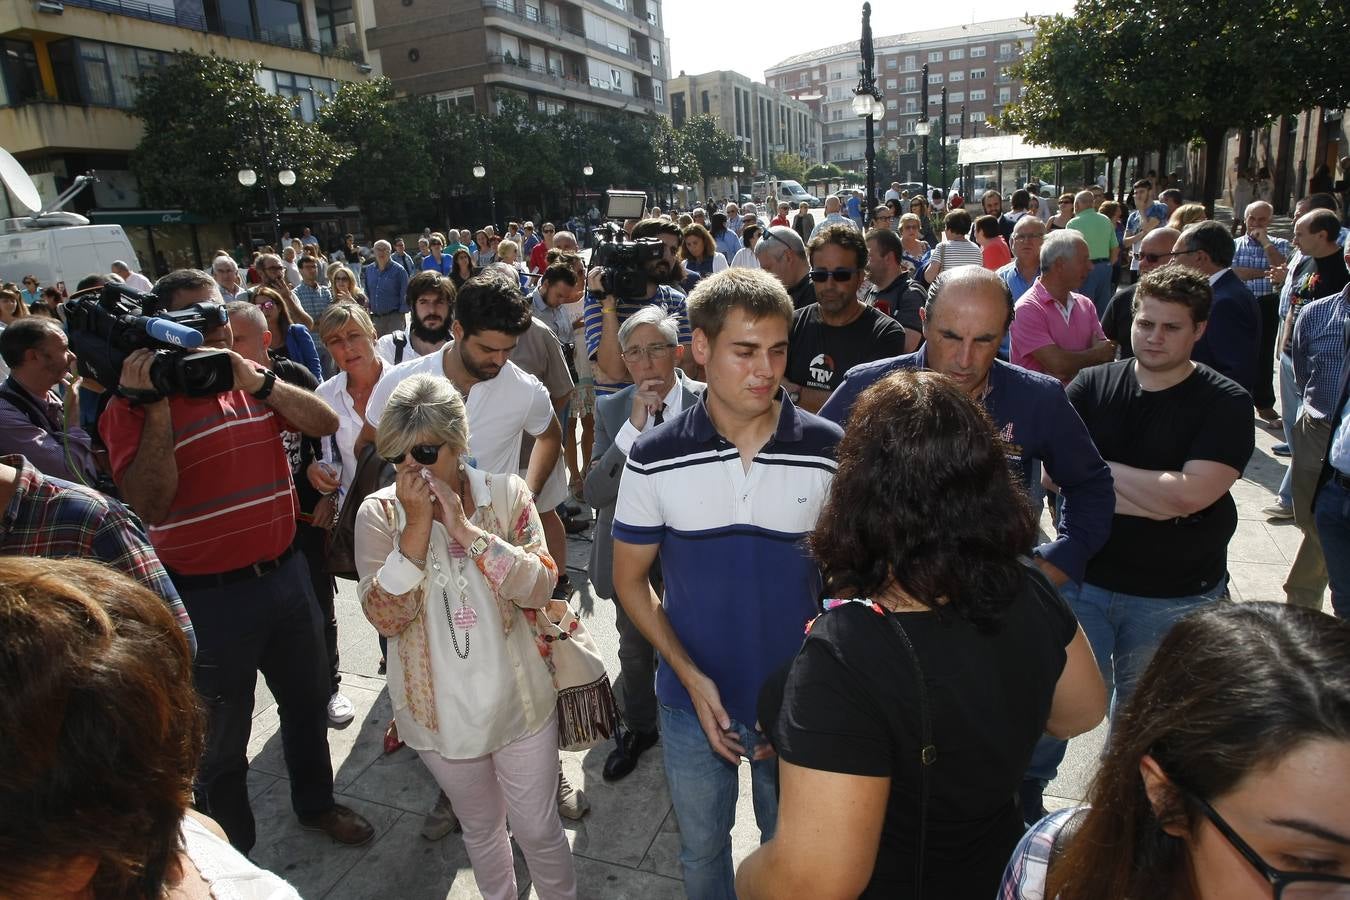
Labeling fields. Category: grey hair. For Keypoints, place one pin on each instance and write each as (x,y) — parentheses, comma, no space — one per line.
(655,316)
(1084,200)
(1061,243)
(247,310)
(422,408)
(788,238)
(118,264)
(383,244)
(227,261)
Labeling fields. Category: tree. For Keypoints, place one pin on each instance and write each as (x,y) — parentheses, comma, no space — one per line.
(206,118)
(1125,74)
(387,165)
(789,165)
(669,147)
(822,171)
(713,149)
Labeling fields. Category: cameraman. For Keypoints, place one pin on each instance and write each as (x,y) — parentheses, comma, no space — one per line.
(604,313)
(210,477)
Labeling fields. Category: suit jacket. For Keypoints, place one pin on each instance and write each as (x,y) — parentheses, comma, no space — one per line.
(1232,340)
(602,481)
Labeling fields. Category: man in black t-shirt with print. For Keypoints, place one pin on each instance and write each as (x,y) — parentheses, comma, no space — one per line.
(1176,435)
(838,331)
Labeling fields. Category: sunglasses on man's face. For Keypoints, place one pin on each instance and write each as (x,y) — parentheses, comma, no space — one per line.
(425,454)
(820,276)
(1154,257)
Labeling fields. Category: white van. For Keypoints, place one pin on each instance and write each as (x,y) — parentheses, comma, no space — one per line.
(789,191)
(63,253)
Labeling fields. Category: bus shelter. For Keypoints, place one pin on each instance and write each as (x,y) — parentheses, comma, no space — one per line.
(1006,162)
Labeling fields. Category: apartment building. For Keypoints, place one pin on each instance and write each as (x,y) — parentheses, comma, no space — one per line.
(591,57)
(972,61)
(67,83)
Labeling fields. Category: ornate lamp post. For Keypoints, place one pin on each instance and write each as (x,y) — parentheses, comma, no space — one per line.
(923,128)
(942,140)
(285,177)
(867,105)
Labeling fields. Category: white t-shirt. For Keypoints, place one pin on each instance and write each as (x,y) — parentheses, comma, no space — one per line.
(138,282)
(499,409)
(229,873)
(386,349)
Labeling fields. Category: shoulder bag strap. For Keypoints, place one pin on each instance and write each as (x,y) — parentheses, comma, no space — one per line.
(927,750)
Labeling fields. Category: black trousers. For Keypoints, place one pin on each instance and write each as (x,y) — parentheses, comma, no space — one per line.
(271,625)
(310,540)
(1263,394)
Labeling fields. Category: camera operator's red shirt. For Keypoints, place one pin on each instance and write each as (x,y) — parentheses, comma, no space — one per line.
(235,504)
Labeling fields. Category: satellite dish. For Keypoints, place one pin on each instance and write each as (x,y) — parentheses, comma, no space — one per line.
(18,182)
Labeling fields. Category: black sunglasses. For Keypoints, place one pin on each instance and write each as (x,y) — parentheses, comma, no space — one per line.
(1292,884)
(426,454)
(819,276)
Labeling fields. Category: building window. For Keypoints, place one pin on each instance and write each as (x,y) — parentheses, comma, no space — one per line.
(1004,95)
(19,78)
(460,99)
(108,72)
(677,111)
(957,97)
(891,62)
(976,74)
(977,116)
(280,21)
(890,104)
(910,84)
(934,56)
(658,92)
(892,125)
(1004,51)
(957,76)
(890,84)
(337,24)
(911,105)
(935,78)
(956,53)
(704,99)
(977,95)
(933,100)
(910,64)
(953,118)
(977,52)
(909,126)
(305,91)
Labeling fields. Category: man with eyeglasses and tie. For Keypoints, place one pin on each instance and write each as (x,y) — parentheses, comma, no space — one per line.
(838,331)
(660,391)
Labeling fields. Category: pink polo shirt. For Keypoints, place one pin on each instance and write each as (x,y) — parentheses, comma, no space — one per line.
(1039,321)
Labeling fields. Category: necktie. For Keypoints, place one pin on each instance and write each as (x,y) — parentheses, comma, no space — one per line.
(660,415)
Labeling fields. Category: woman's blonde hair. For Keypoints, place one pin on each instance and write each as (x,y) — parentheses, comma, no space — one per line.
(422,408)
(337,315)
(508,249)
(1187,214)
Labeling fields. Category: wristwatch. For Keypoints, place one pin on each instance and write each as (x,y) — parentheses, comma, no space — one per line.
(269,381)
(478,547)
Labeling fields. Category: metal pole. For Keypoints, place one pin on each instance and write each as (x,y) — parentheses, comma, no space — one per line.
(942,141)
(923,147)
(868,85)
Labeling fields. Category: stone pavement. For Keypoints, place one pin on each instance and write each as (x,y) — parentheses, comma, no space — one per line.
(627,846)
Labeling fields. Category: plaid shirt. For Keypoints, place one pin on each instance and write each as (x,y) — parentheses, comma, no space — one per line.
(1249,254)
(55,519)
(313,300)
(1318,352)
(1024,877)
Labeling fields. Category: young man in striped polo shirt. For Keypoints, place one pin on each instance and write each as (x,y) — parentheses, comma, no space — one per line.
(724,492)
(210,478)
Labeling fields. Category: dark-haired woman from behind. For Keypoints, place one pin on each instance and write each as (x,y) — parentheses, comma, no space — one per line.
(1227,776)
(910,713)
(100,741)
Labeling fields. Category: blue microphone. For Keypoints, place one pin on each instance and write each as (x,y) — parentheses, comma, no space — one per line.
(171,332)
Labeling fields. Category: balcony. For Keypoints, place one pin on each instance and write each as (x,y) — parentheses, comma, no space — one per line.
(538,21)
(50,125)
(242,30)
(595,88)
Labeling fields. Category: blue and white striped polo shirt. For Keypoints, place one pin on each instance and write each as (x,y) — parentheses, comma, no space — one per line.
(739,585)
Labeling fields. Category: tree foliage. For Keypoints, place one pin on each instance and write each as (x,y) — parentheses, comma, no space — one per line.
(1123,75)
(205,119)
(713,149)
(789,165)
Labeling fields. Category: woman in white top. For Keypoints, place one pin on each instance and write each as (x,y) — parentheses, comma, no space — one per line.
(103,734)
(453,568)
(349,336)
(745,257)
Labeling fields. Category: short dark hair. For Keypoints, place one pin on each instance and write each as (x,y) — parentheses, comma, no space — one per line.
(840,235)
(93,279)
(492,302)
(650,228)
(1143,183)
(1021,199)
(427,281)
(958,222)
(1175,283)
(753,291)
(1320,201)
(988,226)
(103,729)
(181,280)
(23,335)
(1324,221)
(887,241)
(560,271)
(923,494)
(1171,194)
(1216,241)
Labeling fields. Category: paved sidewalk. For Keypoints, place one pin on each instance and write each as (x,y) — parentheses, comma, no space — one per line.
(627,846)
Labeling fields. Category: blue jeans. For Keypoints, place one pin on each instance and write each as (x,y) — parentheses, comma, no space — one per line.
(704,788)
(1123,630)
(1332,514)
(1291,401)
(1098,286)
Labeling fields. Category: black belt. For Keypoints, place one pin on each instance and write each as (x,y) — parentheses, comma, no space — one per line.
(220,579)
(1102,260)
(1341,478)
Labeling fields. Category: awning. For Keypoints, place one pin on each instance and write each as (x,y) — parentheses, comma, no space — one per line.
(146,217)
(1011,148)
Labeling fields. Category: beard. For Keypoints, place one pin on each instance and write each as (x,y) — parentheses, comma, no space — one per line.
(436,335)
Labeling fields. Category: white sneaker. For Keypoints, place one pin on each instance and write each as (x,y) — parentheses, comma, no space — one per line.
(572,803)
(340,710)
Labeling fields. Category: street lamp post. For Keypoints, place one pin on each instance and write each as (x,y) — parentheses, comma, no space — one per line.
(942,140)
(867,105)
(480,171)
(670,169)
(922,128)
(285,177)
(587,171)
(738,169)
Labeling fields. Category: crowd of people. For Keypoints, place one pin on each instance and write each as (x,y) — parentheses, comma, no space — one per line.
(814,455)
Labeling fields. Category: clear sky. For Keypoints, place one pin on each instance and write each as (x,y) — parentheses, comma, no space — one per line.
(747,37)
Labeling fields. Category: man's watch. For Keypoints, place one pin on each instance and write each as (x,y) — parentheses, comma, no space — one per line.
(478,547)
(269,382)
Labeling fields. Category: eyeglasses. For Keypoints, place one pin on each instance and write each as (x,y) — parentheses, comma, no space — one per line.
(654,352)
(819,276)
(882,218)
(426,454)
(1154,257)
(548,231)
(266,305)
(1287,885)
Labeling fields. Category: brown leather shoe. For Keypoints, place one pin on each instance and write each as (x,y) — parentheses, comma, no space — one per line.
(341,824)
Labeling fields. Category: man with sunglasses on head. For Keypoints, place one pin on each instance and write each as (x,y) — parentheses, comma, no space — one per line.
(210,477)
(1153,251)
(838,331)
(782,253)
